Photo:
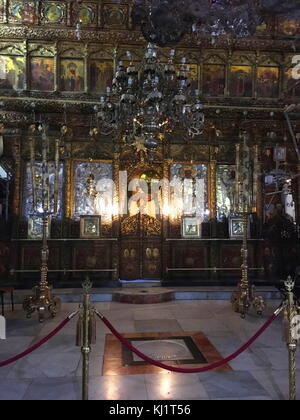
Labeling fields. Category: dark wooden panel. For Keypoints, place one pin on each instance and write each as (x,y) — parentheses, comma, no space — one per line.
(130,260)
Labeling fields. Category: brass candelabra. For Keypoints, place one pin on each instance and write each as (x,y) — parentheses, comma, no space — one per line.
(244,297)
(42,299)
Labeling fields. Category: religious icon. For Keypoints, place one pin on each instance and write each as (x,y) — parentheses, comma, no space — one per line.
(236,228)
(114,16)
(289,27)
(54,13)
(89,227)
(15,10)
(240,81)
(86,15)
(101,75)
(42,74)
(72,75)
(191,227)
(226,189)
(12,72)
(35,227)
(268,82)
(292,86)
(213,79)
(279,154)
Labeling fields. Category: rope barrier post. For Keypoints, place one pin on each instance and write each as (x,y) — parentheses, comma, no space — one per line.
(85,321)
(290,314)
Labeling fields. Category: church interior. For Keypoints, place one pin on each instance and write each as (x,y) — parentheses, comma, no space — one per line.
(149,198)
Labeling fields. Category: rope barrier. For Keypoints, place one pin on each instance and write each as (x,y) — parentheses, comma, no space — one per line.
(212,366)
(40,343)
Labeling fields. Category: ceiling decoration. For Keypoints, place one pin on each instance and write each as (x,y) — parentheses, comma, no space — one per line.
(165,22)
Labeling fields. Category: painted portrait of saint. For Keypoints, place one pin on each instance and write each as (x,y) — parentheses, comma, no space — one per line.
(42,74)
(213,79)
(72,75)
(240,81)
(101,75)
(268,82)
(12,72)
(289,27)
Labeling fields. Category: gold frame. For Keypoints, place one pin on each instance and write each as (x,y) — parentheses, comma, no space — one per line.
(84,234)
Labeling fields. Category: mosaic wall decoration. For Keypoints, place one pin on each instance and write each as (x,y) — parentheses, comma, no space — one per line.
(28,208)
(72,75)
(12,72)
(42,74)
(241,81)
(268,82)
(101,75)
(213,79)
(91,195)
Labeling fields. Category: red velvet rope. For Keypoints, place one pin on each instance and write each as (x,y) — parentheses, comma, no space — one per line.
(212,366)
(37,345)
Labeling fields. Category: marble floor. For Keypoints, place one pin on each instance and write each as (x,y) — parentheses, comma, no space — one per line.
(53,372)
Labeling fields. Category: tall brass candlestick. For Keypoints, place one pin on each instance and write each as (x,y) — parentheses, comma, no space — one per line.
(33,172)
(244,297)
(42,300)
(56,175)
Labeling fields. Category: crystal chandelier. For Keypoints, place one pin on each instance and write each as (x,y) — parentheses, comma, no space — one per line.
(147,102)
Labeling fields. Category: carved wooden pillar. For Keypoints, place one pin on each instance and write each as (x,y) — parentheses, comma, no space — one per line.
(17,177)
(212,184)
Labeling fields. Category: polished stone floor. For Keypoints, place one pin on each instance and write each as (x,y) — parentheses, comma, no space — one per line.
(53,371)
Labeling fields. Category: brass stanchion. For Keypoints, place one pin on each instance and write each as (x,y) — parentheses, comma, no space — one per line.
(291,311)
(86,335)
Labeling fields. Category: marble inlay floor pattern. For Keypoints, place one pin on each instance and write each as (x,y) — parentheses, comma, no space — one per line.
(120,361)
(54,371)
